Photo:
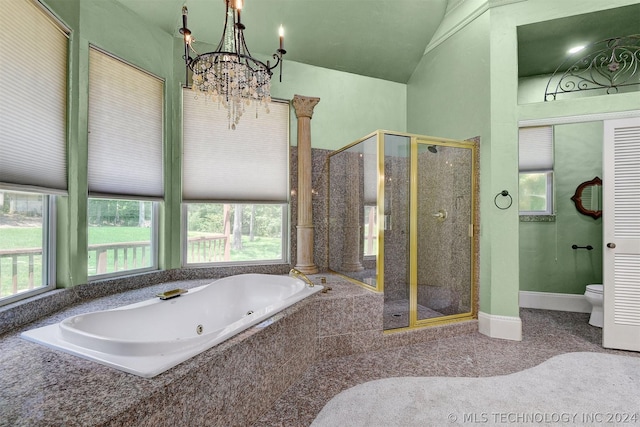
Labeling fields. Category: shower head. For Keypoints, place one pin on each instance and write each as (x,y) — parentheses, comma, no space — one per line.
(432,149)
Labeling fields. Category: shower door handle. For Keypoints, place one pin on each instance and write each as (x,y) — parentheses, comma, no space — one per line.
(441,215)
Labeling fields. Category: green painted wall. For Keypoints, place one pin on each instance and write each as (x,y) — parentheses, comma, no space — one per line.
(350,107)
(448,96)
(505,117)
(547,262)
(113,28)
(468,85)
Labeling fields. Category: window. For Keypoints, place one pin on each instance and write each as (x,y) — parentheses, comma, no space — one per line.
(235,184)
(536,193)
(24,245)
(124,166)
(237,233)
(121,236)
(32,146)
(536,171)
(370,231)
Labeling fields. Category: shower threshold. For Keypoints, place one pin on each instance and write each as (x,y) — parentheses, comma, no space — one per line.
(396,314)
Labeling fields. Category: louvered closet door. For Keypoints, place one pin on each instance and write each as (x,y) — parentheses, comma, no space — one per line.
(621,170)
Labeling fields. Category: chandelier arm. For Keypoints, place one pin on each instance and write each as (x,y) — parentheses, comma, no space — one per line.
(186,33)
(242,46)
(229,75)
(252,63)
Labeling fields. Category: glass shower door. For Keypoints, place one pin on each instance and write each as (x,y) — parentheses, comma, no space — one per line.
(396,230)
(442,231)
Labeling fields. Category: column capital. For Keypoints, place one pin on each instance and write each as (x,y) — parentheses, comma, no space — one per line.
(303,105)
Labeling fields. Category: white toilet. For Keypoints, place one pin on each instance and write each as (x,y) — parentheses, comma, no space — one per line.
(593,294)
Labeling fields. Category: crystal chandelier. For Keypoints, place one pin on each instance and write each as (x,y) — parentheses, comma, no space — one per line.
(230,75)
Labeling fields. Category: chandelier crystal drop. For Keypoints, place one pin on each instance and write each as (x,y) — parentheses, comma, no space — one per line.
(230,76)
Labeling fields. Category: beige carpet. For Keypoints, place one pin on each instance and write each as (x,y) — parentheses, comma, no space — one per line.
(569,389)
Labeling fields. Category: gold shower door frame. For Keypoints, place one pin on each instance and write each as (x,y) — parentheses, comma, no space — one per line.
(415,141)
(414,322)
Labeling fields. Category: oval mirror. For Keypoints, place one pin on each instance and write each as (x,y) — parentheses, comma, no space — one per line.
(588,198)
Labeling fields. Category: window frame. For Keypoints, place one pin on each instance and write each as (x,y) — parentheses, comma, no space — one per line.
(549,194)
(372,256)
(48,252)
(536,155)
(193,195)
(54,182)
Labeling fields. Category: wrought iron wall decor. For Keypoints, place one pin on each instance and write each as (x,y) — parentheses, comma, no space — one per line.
(606,65)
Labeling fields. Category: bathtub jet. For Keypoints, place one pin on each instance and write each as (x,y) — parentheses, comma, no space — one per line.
(149,337)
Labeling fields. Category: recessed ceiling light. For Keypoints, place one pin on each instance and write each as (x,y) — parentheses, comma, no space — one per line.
(576,49)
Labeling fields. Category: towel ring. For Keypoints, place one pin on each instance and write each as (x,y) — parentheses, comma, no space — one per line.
(503,193)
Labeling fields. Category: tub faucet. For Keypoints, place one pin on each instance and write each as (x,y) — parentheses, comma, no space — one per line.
(294,272)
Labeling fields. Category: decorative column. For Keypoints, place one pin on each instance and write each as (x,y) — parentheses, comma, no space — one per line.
(303,106)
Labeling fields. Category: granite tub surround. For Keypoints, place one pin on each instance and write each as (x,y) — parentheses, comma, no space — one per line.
(350,321)
(155,335)
(231,384)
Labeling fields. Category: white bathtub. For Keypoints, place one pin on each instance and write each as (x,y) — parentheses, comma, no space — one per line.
(152,336)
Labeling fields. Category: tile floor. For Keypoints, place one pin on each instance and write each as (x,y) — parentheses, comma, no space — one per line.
(546,334)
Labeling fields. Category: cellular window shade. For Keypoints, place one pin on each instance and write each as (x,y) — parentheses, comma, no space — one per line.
(125,129)
(249,163)
(33,87)
(535,148)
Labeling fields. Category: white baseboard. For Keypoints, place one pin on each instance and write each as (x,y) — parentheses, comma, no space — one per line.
(503,327)
(551,301)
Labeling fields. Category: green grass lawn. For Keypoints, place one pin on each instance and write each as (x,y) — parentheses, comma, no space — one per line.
(98,235)
(20,237)
(260,248)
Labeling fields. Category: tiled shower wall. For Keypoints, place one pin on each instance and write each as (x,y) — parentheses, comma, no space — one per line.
(444,247)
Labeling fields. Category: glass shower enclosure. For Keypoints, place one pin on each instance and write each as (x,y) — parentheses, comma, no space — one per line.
(403,220)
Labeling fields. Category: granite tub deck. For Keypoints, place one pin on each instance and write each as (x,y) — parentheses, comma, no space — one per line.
(231,384)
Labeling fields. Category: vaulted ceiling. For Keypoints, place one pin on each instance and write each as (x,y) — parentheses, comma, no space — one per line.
(543,46)
(378,38)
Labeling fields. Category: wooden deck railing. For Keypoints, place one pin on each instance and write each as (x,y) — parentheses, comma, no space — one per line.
(112,257)
(208,248)
(107,258)
(17,257)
